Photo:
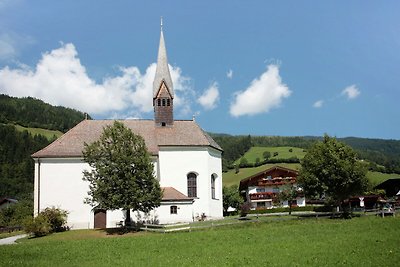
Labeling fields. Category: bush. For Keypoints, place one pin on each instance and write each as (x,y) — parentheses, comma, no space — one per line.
(38,226)
(56,217)
(245,209)
(286,209)
(48,221)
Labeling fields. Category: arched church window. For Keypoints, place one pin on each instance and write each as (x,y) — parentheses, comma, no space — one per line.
(168,102)
(159,102)
(192,184)
(163,102)
(213,177)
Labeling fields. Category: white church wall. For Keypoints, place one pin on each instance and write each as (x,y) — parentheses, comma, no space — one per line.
(58,183)
(215,168)
(176,162)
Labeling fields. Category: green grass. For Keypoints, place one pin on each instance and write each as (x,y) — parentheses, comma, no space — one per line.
(49,134)
(283,153)
(378,177)
(231,178)
(366,241)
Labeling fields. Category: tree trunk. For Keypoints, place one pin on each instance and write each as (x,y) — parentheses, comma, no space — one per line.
(128,218)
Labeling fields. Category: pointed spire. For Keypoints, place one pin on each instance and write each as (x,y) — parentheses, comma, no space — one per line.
(162,70)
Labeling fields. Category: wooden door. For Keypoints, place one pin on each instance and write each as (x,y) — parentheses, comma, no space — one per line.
(100,218)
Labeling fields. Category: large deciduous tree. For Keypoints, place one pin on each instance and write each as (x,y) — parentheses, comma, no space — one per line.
(331,169)
(121,175)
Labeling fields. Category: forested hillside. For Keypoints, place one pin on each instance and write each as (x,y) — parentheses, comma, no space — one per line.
(31,112)
(16,164)
(383,155)
(17,144)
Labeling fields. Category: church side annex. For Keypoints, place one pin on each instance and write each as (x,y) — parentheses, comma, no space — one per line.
(187,163)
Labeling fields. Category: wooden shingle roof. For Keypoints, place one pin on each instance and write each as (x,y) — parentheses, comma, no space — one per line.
(182,133)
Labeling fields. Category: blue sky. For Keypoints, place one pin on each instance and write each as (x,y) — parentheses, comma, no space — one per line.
(285,68)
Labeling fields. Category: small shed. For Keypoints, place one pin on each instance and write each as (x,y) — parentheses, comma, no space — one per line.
(6,202)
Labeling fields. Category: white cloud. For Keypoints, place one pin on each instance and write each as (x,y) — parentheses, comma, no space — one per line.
(59,78)
(318,104)
(263,94)
(210,97)
(229,74)
(351,92)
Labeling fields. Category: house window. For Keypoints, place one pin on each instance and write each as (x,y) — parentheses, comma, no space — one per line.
(260,190)
(260,204)
(213,186)
(173,210)
(192,184)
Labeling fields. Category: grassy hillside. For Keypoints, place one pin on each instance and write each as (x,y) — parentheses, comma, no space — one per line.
(49,134)
(283,153)
(231,178)
(378,177)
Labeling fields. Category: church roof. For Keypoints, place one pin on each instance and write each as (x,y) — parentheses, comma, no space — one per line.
(171,194)
(162,70)
(182,133)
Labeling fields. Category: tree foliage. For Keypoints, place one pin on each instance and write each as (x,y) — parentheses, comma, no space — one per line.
(16,164)
(288,193)
(122,172)
(231,198)
(331,169)
(383,155)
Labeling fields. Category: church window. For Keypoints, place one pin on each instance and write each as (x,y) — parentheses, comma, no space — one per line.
(173,210)
(163,102)
(159,102)
(213,186)
(168,102)
(192,184)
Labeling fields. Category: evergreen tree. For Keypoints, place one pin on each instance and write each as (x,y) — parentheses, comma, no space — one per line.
(122,172)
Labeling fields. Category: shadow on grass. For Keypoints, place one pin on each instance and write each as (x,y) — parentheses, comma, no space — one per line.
(120,230)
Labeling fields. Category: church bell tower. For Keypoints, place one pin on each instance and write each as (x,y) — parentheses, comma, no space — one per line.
(163,93)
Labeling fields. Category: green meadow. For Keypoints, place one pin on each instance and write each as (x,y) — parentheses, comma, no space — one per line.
(364,241)
(49,134)
(283,153)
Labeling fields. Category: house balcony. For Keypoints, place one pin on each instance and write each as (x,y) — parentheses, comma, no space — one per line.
(262,195)
(276,182)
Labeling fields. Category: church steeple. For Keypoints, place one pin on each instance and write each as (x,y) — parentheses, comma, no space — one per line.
(163,92)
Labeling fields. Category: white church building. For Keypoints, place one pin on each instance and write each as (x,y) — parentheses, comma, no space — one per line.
(187,164)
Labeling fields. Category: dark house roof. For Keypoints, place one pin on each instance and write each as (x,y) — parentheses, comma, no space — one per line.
(244,183)
(391,186)
(7,200)
(182,133)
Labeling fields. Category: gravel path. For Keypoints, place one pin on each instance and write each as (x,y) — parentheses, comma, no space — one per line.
(11,240)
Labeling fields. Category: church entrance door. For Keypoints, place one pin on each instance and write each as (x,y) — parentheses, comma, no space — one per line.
(100,218)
